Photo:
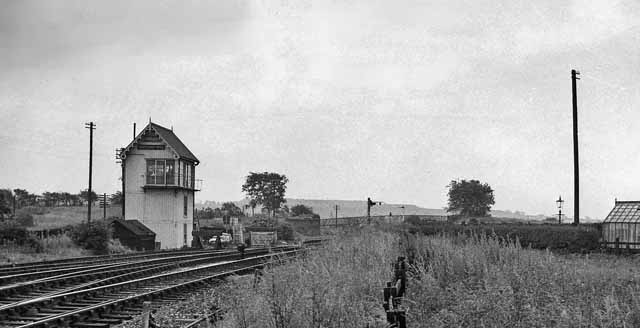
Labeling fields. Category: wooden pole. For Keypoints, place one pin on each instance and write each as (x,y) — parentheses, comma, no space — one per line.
(146,311)
(91,127)
(576,171)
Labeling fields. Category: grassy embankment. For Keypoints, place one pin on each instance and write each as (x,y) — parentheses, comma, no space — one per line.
(58,217)
(456,282)
(47,249)
(17,245)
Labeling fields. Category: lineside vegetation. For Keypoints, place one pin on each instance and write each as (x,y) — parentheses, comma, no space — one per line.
(463,281)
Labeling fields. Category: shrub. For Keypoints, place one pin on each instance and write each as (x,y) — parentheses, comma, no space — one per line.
(115,247)
(12,231)
(93,236)
(24,220)
(555,237)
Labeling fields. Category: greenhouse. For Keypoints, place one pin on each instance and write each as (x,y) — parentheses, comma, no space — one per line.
(620,228)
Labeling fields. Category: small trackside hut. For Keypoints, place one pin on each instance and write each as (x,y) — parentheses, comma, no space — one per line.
(621,227)
(159,185)
(134,235)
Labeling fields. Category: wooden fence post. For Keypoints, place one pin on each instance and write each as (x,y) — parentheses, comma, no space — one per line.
(146,311)
(393,293)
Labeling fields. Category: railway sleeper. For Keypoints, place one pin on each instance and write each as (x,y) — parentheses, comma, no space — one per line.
(51,311)
(123,313)
(24,318)
(114,315)
(90,325)
(75,304)
(88,301)
(98,299)
(11,323)
(111,321)
(133,309)
(64,307)
(14,298)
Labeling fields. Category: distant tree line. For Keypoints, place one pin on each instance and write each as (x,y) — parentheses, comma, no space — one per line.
(20,198)
(227,209)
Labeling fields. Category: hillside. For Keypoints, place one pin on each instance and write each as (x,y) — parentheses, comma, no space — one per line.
(346,208)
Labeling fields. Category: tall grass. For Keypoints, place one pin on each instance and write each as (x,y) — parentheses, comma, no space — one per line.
(454,281)
(50,248)
(337,286)
(483,281)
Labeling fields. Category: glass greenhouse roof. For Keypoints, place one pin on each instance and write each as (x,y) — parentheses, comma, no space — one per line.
(622,212)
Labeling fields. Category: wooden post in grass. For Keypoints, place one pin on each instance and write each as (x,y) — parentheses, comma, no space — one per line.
(146,311)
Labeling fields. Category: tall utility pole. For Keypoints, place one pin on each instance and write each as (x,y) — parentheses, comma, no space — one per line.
(91,127)
(336,215)
(104,205)
(576,171)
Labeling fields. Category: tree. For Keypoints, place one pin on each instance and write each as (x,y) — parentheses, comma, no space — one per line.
(266,189)
(23,198)
(470,198)
(49,198)
(84,195)
(6,202)
(301,210)
(232,209)
(116,198)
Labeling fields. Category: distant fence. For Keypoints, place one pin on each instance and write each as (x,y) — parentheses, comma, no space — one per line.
(44,233)
(357,220)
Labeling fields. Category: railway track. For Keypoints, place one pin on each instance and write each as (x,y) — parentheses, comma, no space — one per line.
(102,306)
(6,270)
(97,276)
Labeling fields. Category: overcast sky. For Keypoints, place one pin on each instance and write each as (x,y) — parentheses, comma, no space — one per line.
(349,99)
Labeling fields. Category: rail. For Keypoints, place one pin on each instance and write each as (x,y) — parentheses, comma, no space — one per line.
(112,299)
(12,295)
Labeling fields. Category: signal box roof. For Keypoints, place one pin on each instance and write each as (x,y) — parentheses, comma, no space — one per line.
(136,227)
(169,138)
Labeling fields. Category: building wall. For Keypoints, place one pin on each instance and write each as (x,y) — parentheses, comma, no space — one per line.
(161,210)
(624,232)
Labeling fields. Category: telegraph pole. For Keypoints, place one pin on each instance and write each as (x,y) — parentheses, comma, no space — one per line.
(336,215)
(91,127)
(576,172)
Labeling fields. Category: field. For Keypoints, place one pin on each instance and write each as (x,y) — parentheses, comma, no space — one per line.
(461,281)
(57,217)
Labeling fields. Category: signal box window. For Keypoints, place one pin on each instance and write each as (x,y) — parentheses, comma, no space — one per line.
(185,205)
(160,171)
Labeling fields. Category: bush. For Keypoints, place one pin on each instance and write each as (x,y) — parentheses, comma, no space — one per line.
(93,236)
(24,220)
(539,236)
(12,231)
(115,247)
